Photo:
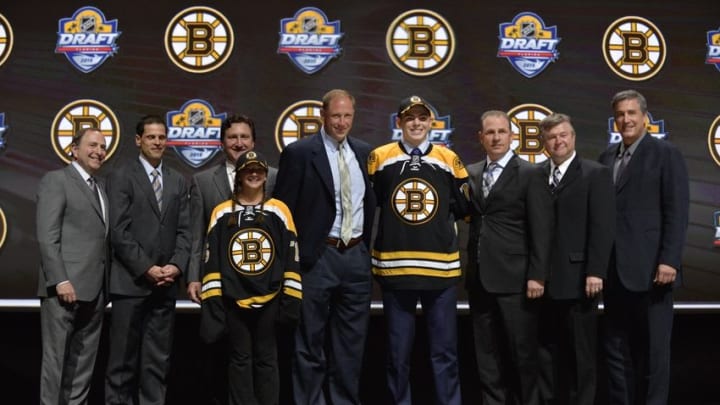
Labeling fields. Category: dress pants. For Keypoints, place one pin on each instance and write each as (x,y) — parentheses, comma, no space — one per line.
(440,310)
(141,336)
(505,329)
(638,327)
(568,351)
(330,338)
(253,376)
(70,338)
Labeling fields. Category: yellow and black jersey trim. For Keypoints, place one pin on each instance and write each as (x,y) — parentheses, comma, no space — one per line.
(415,263)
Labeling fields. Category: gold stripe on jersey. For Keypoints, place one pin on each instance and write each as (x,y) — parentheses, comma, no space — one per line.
(442,157)
(255,302)
(211,286)
(415,271)
(277,207)
(292,285)
(415,255)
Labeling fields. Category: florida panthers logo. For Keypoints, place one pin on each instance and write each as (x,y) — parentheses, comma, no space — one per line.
(415,201)
(251,251)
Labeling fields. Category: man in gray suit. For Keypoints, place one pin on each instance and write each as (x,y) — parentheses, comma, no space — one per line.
(72,234)
(208,189)
(150,223)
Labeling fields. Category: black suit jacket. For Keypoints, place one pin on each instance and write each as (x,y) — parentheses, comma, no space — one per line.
(142,235)
(305,184)
(652,200)
(584,203)
(509,237)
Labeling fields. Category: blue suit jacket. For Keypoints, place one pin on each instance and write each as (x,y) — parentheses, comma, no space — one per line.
(305,184)
(651,199)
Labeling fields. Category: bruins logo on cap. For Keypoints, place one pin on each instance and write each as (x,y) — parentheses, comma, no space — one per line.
(415,201)
(6,39)
(714,140)
(83,114)
(525,127)
(297,121)
(634,48)
(199,39)
(251,251)
(420,42)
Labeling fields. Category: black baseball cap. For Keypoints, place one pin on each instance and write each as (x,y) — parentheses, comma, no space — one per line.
(412,101)
(249,158)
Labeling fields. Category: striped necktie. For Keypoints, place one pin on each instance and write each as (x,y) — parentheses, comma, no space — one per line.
(488,179)
(157,187)
(556,177)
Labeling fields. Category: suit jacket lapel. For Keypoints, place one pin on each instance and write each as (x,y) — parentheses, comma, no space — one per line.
(222,184)
(573,172)
(508,173)
(143,181)
(634,162)
(322,164)
(85,189)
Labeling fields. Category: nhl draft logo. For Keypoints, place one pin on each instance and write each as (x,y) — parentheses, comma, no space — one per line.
(634,48)
(6,39)
(716,216)
(3,228)
(199,39)
(525,126)
(528,44)
(440,129)
(297,121)
(3,132)
(713,44)
(714,140)
(81,114)
(87,39)
(420,42)
(654,128)
(194,132)
(251,251)
(309,39)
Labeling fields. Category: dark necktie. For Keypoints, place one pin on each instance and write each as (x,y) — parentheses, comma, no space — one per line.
(93,186)
(556,177)
(624,160)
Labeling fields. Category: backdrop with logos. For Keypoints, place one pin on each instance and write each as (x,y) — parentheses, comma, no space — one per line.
(66,64)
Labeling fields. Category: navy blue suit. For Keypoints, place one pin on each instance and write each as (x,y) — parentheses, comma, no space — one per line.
(652,198)
(336,282)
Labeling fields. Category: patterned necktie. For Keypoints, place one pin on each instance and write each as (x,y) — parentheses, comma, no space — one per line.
(93,186)
(345,198)
(157,187)
(624,159)
(556,177)
(488,179)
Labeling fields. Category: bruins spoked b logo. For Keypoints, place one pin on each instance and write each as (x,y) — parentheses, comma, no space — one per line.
(3,228)
(298,120)
(83,114)
(634,48)
(714,140)
(420,42)
(251,251)
(525,126)
(415,201)
(6,39)
(199,39)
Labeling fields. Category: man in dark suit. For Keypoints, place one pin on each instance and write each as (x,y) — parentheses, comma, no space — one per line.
(336,266)
(208,189)
(508,257)
(72,234)
(151,240)
(584,213)
(652,199)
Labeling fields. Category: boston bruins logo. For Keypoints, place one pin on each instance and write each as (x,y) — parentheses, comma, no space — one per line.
(6,39)
(525,126)
(634,48)
(415,201)
(199,39)
(251,251)
(3,228)
(297,121)
(420,42)
(714,140)
(83,114)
